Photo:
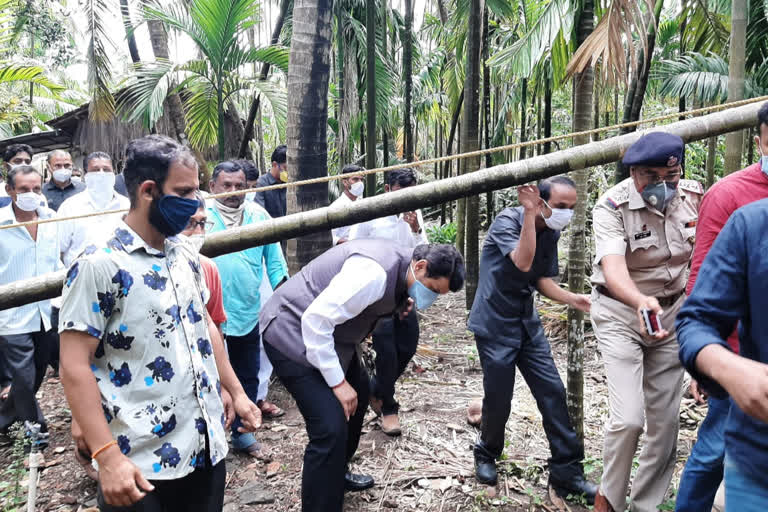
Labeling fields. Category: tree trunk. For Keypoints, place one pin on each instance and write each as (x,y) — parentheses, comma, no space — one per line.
(132,48)
(523,117)
(582,120)
(159,39)
(644,73)
(498,177)
(471,142)
(548,111)
(306,133)
(248,135)
(711,155)
(384,125)
(408,72)
(736,67)
(370,92)
(489,202)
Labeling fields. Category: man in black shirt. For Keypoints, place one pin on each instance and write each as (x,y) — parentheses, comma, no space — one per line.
(274,200)
(520,256)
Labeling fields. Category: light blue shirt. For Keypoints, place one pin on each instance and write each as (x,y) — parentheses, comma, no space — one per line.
(241,273)
(25,258)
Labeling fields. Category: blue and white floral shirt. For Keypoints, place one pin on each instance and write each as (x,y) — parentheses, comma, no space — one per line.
(160,389)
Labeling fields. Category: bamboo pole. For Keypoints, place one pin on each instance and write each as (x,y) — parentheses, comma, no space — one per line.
(429,194)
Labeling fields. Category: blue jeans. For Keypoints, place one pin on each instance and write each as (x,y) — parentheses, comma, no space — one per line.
(244,356)
(744,492)
(704,470)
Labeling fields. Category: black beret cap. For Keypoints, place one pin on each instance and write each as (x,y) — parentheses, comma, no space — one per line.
(657,149)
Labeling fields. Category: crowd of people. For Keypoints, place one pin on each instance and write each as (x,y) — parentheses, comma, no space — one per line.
(165,356)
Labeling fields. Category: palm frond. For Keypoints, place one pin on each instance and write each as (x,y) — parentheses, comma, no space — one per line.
(202,114)
(275,56)
(613,37)
(143,100)
(100,47)
(521,57)
(29,74)
(694,76)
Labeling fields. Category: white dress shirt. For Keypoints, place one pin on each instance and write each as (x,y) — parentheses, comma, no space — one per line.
(21,257)
(360,282)
(391,227)
(342,201)
(76,235)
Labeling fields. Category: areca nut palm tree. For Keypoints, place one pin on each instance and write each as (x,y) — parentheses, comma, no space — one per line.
(218,29)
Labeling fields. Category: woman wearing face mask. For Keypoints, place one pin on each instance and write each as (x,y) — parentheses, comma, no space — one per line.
(519,257)
(353,188)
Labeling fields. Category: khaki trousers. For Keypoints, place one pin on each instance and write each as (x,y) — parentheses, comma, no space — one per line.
(644,390)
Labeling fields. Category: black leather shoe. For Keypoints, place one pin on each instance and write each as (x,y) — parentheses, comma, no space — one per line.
(354,483)
(485,470)
(578,486)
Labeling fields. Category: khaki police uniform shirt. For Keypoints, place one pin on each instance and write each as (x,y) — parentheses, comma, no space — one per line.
(657,246)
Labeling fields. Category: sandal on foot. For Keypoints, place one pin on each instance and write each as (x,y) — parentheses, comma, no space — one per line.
(247,444)
(269,410)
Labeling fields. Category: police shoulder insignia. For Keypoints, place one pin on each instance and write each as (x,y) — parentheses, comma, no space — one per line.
(692,186)
(617,196)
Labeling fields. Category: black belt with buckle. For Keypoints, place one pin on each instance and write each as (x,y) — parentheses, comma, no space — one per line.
(663,301)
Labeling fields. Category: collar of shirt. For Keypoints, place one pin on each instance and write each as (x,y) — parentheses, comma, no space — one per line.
(8,217)
(52,186)
(82,202)
(126,239)
(636,201)
(268,179)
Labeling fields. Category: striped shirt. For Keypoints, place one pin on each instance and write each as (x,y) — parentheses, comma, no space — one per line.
(24,258)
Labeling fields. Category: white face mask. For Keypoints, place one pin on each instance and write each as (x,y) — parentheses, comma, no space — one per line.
(357,189)
(62,175)
(250,196)
(196,241)
(559,219)
(100,186)
(76,179)
(28,201)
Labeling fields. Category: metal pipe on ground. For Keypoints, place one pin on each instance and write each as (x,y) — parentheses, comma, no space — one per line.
(429,194)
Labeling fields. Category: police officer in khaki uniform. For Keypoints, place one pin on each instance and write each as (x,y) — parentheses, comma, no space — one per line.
(644,235)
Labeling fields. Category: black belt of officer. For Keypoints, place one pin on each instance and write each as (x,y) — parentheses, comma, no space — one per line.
(664,302)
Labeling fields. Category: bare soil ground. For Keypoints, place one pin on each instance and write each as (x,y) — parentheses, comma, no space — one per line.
(429,468)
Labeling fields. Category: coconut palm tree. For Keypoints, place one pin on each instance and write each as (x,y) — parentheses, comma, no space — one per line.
(206,85)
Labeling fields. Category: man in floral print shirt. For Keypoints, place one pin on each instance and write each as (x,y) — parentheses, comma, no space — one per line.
(139,368)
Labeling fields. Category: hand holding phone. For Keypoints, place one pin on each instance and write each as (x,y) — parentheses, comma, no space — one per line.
(649,315)
(651,322)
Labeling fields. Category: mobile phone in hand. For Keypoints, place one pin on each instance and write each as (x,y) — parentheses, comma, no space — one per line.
(651,319)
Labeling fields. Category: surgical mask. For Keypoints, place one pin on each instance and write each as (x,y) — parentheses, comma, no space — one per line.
(76,179)
(763,161)
(560,217)
(62,175)
(196,241)
(357,189)
(100,186)
(171,214)
(250,196)
(284,176)
(28,201)
(659,195)
(421,295)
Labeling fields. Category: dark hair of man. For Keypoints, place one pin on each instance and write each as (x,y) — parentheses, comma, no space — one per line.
(21,170)
(249,168)
(56,152)
(762,118)
(545,186)
(96,155)
(226,166)
(405,177)
(150,158)
(14,149)
(350,168)
(443,260)
(279,155)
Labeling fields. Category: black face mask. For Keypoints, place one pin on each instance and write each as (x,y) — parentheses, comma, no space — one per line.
(171,214)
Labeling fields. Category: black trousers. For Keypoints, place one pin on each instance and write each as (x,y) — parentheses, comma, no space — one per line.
(332,440)
(26,357)
(395,342)
(200,491)
(245,358)
(533,357)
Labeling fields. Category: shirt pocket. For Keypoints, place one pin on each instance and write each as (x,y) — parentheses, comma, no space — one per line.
(643,240)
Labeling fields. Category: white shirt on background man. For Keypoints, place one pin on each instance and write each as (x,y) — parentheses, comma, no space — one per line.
(391,227)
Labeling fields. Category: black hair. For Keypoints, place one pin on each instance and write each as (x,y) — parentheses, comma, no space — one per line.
(96,155)
(349,168)
(23,170)
(249,168)
(226,166)
(443,260)
(279,155)
(405,177)
(14,149)
(762,118)
(545,186)
(150,158)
